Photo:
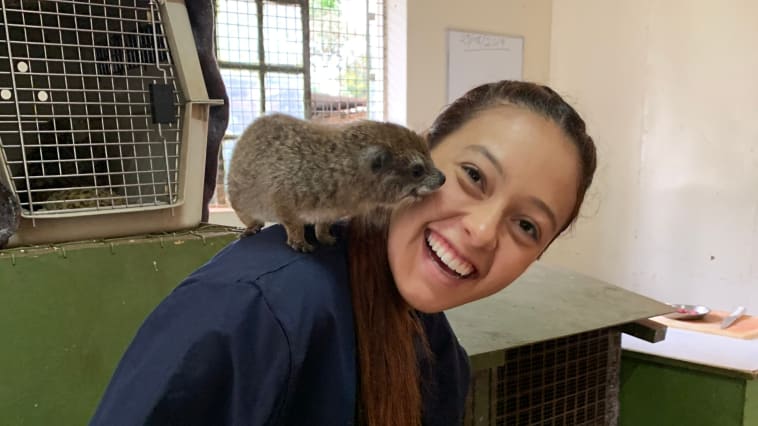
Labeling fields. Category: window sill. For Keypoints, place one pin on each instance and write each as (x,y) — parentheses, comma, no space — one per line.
(224,216)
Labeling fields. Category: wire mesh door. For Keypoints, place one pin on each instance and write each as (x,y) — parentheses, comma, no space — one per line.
(90,112)
(568,381)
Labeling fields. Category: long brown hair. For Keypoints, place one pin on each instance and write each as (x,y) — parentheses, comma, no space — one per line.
(387,330)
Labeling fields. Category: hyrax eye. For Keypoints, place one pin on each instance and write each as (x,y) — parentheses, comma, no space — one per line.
(380,161)
(417,170)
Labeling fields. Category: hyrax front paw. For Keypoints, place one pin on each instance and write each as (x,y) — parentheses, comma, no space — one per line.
(296,236)
(323,235)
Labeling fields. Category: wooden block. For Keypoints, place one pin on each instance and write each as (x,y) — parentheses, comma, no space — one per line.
(645,329)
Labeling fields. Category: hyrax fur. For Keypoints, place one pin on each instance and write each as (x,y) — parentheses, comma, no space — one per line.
(295,172)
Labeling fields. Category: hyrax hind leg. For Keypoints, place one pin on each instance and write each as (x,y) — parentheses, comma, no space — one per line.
(295,232)
(323,235)
(252,225)
(252,228)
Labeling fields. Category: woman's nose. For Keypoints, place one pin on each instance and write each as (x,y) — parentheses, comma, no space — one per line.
(481,225)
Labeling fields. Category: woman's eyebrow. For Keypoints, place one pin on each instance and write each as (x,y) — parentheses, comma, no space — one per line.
(546,209)
(486,152)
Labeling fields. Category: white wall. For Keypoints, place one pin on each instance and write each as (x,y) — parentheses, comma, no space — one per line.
(670,90)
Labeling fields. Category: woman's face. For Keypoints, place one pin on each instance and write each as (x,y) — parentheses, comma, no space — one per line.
(511,185)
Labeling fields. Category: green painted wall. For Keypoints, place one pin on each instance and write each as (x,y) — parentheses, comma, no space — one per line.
(658,393)
(67,314)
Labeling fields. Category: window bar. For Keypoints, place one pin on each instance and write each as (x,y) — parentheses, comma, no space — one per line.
(368,57)
(286,69)
(261,56)
(305,16)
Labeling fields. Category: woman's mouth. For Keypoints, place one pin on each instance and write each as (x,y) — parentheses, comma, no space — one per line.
(446,257)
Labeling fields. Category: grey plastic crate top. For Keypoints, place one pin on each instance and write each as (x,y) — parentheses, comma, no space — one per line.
(547,302)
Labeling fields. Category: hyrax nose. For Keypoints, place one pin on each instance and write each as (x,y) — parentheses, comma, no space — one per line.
(438,179)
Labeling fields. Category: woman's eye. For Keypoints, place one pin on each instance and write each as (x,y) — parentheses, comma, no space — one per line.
(529,228)
(473,174)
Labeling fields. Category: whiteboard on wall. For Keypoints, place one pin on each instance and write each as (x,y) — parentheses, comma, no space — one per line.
(476,58)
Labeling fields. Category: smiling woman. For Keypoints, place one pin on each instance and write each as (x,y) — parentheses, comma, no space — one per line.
(354,333)
(518,162)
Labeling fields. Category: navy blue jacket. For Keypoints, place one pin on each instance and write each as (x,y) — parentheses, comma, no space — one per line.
(263,335)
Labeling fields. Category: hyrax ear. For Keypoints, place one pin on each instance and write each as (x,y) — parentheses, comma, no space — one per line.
(378,157)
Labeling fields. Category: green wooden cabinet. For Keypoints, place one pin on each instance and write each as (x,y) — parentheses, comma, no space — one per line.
(67,313)
(657,390)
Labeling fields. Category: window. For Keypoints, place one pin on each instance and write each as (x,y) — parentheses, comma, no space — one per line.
(317,59)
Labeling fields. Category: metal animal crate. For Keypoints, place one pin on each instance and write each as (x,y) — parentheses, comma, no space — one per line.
(102,110)
(568,381)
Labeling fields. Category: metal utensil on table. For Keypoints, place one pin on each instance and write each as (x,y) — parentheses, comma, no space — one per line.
(687,312)
(733,317)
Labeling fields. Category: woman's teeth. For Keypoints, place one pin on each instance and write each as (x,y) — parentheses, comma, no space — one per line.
(448,257)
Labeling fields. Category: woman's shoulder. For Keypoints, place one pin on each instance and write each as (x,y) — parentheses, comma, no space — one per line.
(286,279)
(259,281)
(266,252)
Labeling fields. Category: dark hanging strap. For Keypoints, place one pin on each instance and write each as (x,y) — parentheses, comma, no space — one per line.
(202,21)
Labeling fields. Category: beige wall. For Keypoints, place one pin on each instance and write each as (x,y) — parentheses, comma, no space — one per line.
(426,22)
(671,95)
